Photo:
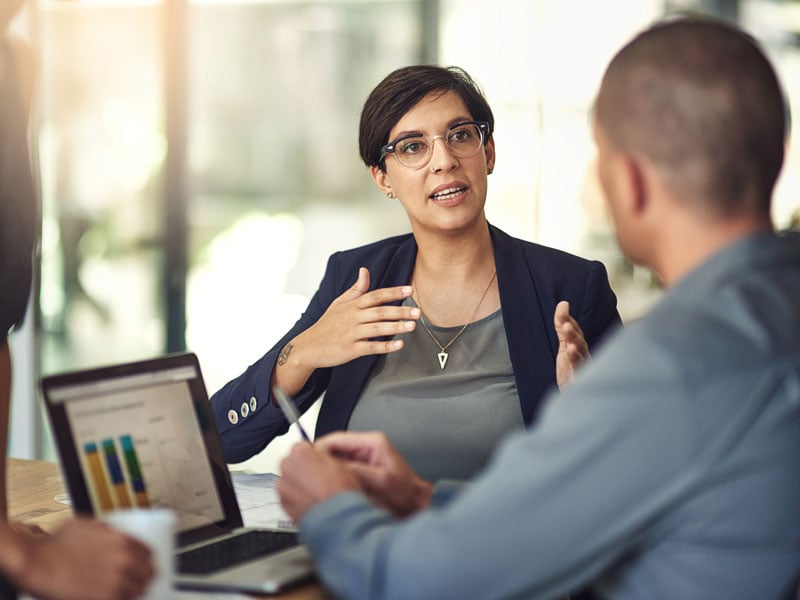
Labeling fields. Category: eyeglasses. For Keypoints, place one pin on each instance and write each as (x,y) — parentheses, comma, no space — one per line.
(414,151)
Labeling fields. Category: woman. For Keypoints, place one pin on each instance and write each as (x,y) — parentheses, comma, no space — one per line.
(486,348)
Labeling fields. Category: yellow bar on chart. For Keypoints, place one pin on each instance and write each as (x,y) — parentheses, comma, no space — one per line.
(98,476)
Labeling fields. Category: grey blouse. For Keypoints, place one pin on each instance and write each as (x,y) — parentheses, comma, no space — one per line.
(444,422)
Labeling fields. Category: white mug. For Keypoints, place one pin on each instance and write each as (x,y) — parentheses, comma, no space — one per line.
(154,527)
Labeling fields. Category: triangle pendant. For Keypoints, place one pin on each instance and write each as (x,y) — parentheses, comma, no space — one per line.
(442,359)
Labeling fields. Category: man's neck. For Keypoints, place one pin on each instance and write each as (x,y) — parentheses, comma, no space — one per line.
(697,241)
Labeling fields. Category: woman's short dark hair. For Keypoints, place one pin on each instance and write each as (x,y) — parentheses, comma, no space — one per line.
(400,91)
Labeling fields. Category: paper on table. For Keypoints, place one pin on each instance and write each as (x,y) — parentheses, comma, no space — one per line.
(188,595)
(259,501)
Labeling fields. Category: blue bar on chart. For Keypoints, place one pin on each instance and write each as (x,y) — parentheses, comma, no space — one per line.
(135,471)
(123,499)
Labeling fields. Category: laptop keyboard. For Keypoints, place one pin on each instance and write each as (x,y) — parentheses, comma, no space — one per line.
(234,550)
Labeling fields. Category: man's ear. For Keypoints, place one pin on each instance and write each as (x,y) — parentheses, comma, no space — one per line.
(381,179)
(635,184)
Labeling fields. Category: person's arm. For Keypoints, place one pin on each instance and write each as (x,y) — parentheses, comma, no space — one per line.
(17,74)
(345,331)
(243,437)
(5,400)
(555,507)
(445,490)
(83,560)
(335,328)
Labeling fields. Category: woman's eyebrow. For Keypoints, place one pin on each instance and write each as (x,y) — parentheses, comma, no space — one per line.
(457,121)
(415,133)
(410,133)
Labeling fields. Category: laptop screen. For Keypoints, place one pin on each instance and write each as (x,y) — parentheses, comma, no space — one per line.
(141,435)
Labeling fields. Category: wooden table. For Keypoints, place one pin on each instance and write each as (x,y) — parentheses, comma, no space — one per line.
(33,486)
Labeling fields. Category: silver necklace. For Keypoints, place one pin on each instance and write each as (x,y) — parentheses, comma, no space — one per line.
(443,355)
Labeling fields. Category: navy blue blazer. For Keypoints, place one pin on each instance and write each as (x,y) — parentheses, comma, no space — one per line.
(531,278)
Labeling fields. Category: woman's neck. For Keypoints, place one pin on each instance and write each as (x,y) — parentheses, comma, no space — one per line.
(458,256)
(453,278)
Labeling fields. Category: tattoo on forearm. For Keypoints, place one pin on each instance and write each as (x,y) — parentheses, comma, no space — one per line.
(284,355)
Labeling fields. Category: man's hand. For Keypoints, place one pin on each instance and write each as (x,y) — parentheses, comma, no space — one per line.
(310,476)
(572,347)
(381,472)
(83,560)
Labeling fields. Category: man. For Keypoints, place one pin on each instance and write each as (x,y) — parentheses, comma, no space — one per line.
(83,560)
(671,467)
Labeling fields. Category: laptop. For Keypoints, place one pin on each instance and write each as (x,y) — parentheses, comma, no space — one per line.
(142,434)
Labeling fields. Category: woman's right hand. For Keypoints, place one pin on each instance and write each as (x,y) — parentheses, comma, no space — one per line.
(346,331)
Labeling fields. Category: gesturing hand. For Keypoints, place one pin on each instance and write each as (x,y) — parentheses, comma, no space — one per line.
(346,329)
(572,347)
(381,472)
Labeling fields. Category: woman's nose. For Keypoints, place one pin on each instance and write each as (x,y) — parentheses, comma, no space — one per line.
(442,159)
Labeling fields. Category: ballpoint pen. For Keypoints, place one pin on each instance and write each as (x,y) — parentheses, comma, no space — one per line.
(289,410)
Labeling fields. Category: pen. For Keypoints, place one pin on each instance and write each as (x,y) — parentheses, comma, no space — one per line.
(289,410)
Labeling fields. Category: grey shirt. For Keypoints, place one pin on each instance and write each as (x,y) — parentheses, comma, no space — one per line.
(669,469)
(444,422)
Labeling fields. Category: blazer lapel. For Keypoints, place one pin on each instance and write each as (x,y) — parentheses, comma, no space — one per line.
(529,341)
(398,272)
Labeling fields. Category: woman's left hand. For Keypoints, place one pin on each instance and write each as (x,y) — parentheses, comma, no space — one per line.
(572,347)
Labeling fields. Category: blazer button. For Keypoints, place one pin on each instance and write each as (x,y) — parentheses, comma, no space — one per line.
(245,410)
(253,404)
(233,417)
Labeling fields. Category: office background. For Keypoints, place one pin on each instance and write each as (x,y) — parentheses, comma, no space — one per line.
(198,160)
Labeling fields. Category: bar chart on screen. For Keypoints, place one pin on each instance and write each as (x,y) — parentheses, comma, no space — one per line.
(116,492)
(129,443)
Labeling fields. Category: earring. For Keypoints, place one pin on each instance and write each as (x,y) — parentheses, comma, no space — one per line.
(490,171)
(390,194)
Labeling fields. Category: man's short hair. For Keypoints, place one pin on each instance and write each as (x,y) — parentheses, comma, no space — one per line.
(700,100)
